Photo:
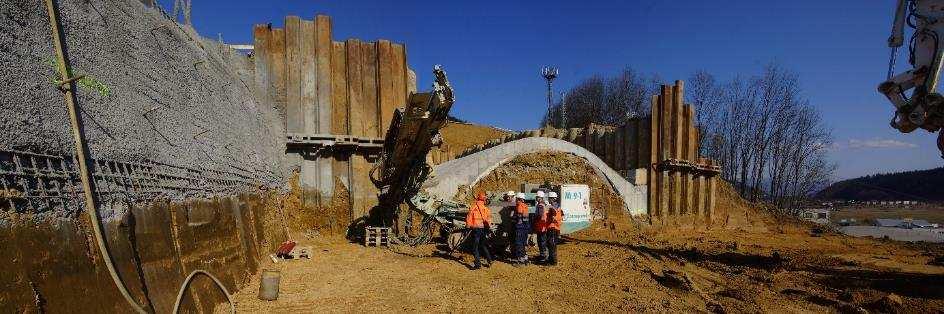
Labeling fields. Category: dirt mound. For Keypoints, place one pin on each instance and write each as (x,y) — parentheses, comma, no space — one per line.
(733,212)
(305,210)
(459,136)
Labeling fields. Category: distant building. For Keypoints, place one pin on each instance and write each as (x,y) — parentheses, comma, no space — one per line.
(847,222)
(907,223)
(817,215)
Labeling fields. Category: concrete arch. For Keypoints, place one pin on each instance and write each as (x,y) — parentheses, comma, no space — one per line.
(468,170)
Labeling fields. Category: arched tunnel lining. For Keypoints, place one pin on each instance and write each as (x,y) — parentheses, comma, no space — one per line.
(554,168)
(469,170)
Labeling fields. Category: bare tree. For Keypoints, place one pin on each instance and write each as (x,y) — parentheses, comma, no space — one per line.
(769,140)
(607,101)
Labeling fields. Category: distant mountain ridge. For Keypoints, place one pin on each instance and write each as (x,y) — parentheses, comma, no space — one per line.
(919,185)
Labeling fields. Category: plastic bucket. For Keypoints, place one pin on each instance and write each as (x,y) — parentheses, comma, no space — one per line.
(269,285)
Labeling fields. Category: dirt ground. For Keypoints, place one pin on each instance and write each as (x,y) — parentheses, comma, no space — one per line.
(740,260)
(618,268)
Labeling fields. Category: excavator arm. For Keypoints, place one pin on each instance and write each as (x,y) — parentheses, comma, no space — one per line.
(924,107)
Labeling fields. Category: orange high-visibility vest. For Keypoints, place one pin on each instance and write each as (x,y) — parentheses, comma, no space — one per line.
(522,208)
(478,213)
(554,223)
(540,218)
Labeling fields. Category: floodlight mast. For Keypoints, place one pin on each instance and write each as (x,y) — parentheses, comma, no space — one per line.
(549,73)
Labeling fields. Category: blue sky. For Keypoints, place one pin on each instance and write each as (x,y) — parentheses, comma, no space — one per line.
(493,51)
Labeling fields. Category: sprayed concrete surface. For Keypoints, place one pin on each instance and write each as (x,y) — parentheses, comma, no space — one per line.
(154,90)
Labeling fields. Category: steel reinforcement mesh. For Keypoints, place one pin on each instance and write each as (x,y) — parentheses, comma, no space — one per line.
(33,182)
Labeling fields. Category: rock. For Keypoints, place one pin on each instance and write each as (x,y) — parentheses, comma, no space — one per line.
(736,294)
(890,303)
(674,279)
(849,308)
(847,296)
(714,307)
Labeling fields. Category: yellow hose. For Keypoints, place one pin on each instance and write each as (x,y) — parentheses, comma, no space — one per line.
(183,288)
(89,185)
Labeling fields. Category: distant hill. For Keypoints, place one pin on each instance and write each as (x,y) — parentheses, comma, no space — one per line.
(919,185)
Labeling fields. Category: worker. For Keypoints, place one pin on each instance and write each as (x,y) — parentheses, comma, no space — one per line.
(479,220)
(522,229)
(540,227)
(507,225)
(553,200)
(554,220)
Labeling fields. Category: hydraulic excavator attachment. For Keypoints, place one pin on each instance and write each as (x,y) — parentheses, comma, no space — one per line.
(924,107)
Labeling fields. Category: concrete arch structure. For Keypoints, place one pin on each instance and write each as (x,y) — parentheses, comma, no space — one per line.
(468,170)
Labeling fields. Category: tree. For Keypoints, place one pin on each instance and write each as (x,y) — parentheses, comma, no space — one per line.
(771,143)
(769,140)
(606,101)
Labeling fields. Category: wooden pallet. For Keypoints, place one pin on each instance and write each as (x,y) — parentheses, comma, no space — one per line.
(377,236)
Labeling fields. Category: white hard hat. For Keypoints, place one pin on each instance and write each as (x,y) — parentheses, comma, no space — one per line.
(540,193)
(520,195)
(552,194)
(510,193)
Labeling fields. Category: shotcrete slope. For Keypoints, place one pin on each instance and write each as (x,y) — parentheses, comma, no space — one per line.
(154,90)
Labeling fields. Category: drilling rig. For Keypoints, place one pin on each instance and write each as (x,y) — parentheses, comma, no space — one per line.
(402,167)
(924,107)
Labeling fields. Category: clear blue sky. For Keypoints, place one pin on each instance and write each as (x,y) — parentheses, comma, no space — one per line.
(493,51)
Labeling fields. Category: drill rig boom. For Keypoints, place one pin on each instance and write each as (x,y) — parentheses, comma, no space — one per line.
(414,130)
(924,108)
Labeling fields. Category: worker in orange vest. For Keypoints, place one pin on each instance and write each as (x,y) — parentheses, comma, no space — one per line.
(553,221)
(522,228)
(479,220)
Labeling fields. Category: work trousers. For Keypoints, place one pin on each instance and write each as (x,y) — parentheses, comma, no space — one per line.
(478,244)
(542,245)
(521,243)
(551,238)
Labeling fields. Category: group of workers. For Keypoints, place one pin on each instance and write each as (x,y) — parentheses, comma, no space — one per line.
(545,224)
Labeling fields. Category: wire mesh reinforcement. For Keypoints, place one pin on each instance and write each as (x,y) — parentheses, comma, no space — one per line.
(35,182)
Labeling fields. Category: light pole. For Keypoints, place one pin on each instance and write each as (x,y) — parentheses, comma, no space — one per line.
(549,73)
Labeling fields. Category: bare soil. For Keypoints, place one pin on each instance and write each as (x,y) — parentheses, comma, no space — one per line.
(459,136)
(613,267)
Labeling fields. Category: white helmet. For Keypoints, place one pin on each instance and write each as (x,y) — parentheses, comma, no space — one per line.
(552,194)
(510,193)
(540,193)
(520,195)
